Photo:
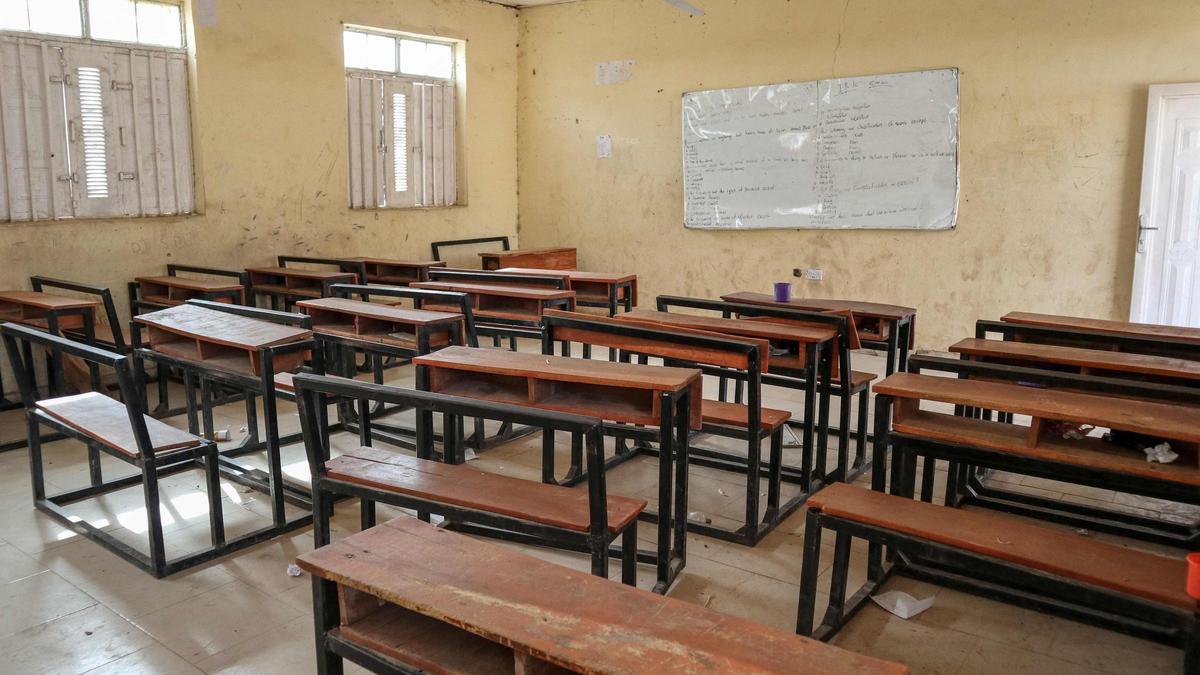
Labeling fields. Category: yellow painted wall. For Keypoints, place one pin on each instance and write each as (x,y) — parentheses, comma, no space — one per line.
(270,118)
(1053,112)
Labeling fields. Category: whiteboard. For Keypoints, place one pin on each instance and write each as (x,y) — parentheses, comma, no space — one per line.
(874,152)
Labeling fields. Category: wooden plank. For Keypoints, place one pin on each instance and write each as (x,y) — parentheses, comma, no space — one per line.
(756,329)
(1150,330)
(106,420)
(432,646)
(465,486)
(561,258)
(872,309)
(1089,452)
(573,275)
(210,325)
(190,284)
(374,310)
(569,618)
(1175,422)
(563,369)
(46,301)
(524,292)
(302,273)
(1079,357)
(1063,553)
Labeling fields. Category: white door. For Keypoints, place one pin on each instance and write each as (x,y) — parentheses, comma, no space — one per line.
(1166,282)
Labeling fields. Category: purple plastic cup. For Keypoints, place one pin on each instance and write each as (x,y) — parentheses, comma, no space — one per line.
(783,291)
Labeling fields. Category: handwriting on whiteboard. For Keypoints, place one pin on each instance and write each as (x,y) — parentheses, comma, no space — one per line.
(863,152)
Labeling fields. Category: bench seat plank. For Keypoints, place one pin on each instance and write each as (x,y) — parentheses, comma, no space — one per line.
(106,420)
(1151,330)
(464,486)
(567,617)
(1088,452)
(1079,357)
(737,415)
(1176,422)
(1059,552)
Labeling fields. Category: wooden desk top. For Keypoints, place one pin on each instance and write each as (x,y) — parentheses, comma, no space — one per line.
(1095,359)
(562,368)
(46,301)
(524,292)
(573,275)
(520,601)
(1176,422)
(525,251)
(870,309)
(397,263)
(374,310)
(210,325)
(188,283)
(756,329)
(301,273)
(1150,330)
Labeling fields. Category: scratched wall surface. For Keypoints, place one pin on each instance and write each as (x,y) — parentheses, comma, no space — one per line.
(270,118)
(1053,101)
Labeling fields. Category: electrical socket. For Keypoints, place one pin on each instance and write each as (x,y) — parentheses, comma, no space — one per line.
(809,273)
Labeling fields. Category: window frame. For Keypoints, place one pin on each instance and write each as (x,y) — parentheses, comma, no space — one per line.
(86,37)
(398,35)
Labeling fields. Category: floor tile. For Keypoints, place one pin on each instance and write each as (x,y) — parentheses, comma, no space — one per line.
(74,643)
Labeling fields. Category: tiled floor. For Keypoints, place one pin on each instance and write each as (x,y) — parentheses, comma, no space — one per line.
(67,605)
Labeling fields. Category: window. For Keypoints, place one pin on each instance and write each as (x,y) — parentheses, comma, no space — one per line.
(89,128)
(400,93)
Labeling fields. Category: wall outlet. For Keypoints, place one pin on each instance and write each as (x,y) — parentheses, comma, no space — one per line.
(809,273)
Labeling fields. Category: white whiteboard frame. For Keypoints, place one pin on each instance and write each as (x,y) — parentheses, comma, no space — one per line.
(950,226)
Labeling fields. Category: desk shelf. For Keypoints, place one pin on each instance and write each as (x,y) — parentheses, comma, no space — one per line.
(380,323)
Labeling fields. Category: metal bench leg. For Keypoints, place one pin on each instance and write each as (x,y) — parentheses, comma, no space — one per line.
(327,617)
(95,470)
(158,556)
(366,513)
(548,457)
(629,551)
(774,471)
(216,513)
(837,586)
(808,574)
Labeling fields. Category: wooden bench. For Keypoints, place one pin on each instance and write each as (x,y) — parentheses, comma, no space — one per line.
(122,431)
(549,515)
(168,290)
(592,289)
(1116,336)
(292,283)
(999,557)
(879,325)
(1081,360)
(375,322)
(406,593)
(506,303)
(1033,450)
(743,359)
(626,394)
(396,272)
(547,258)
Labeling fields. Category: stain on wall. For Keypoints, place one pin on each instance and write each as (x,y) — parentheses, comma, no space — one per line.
(1053,111)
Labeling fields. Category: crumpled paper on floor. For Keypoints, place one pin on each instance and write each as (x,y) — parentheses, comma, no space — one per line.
(902,604)
(1160,453)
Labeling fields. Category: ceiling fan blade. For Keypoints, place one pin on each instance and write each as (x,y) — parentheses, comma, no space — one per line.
(685,6)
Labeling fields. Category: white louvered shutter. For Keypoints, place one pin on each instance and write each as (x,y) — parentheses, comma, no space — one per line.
(364,113)
(434,146)
(36,182)
(399,159)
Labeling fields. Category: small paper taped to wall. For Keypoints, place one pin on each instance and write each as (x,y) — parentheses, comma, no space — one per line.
(206,12)
(613,72)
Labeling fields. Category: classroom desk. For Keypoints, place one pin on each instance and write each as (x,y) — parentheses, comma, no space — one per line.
(54,314)
(624,393)
(171,290)
(888,327)
(380,332)
(392,272)
(293,283)
(1083,361)
(440,601)
(1147,330)
(504,311)
(808,348)
(545,258)
(241,353)
(592,289)
(1037,450)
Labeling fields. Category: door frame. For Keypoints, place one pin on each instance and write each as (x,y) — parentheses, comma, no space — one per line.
(1144,261)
